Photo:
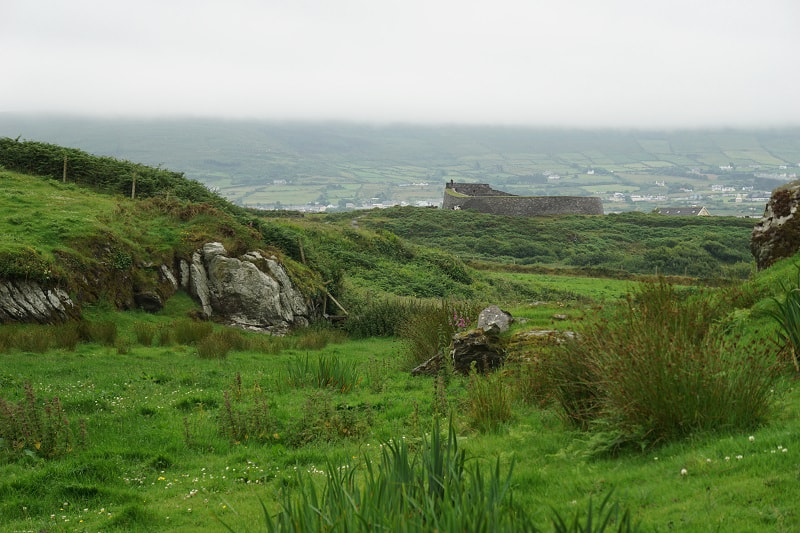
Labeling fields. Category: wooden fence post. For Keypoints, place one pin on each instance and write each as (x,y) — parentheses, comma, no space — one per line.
(64,176)
(133,187)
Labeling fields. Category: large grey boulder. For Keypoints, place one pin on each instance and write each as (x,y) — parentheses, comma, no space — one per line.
(251,291)
(494,320)
(777,235)
(28,301)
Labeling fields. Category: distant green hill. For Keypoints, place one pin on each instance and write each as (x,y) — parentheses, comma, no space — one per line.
(273,164)
(705,247)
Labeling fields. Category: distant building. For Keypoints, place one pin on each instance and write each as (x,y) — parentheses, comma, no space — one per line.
(483,198)
(683,211)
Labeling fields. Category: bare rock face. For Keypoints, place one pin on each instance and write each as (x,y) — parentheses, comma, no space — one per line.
(777,235)
(251,291)
(27,301)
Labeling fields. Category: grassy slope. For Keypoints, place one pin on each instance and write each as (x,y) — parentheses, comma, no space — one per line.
(58,233)
(94,243)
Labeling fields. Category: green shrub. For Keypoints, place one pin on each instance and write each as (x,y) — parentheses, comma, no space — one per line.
(145,332)
(6,339)
(318,337)
(658,370)
(526,381)
(268,344)
(235,339)
(25,263)
(123,346)
(378,373)
(40,338)
(573,383)
(67,335)
(188,331)
(488,402)
(34,428)
(217,344)
(246,417)
(103,173)
(103,332)
(214,346)
(166,336)
(381,317)
(324,421)
(33,340)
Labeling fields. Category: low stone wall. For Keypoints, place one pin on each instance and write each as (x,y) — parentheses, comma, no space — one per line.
(463,196)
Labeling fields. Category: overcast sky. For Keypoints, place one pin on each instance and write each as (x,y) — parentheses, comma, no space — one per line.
(618,63)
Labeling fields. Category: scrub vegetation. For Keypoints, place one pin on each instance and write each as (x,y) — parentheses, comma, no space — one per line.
(672,406)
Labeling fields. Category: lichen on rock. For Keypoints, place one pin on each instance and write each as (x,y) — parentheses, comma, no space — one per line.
(777,235)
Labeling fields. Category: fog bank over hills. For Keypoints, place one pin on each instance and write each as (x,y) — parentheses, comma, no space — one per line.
(582,63)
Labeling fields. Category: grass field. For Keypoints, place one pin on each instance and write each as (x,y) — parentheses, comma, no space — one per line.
(127,421)
(596,289)
(157,456)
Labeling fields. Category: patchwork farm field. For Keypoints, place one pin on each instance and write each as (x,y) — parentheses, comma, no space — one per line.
(310,166)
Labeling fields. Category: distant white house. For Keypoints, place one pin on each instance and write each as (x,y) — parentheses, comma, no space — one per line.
(683,211)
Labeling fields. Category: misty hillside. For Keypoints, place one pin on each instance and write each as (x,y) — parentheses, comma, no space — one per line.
(314,166)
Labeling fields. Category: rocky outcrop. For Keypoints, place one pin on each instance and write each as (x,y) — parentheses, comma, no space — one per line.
(476,348)
(28,301)
(251,291)
(155,285)
(777,235)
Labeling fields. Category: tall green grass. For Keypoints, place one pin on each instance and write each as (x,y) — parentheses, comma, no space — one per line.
(323,372)
(488,402)
(379,317)
(786,313)
(42,338)
(436,488)
(659,369)
(188,331)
